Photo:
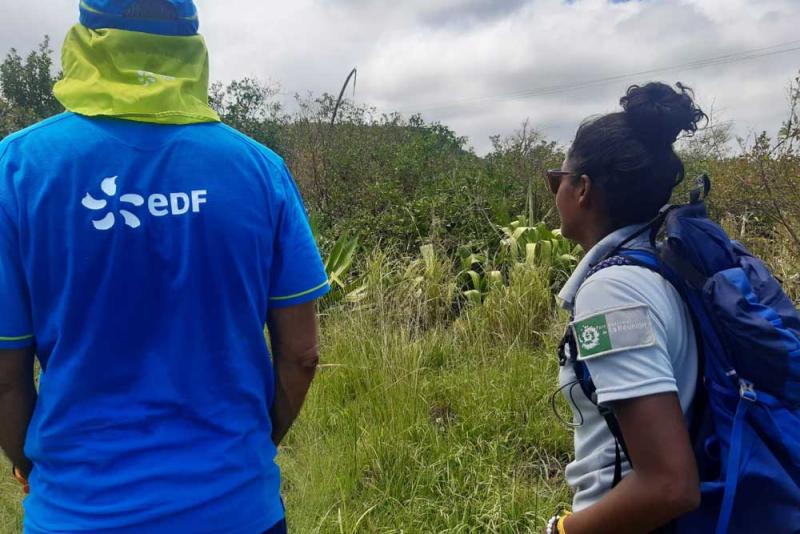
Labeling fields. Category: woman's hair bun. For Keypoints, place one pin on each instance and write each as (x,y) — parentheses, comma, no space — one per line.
(658,113)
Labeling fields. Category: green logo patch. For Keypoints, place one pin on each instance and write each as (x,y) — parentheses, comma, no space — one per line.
(614,331)
(592,336)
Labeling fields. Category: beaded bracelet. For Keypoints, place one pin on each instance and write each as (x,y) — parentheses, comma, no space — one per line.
(556,523)
(552,527)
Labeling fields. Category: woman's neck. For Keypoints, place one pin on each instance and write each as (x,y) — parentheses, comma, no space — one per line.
(595,232)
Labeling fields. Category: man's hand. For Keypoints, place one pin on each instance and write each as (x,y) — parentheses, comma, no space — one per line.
(295,353)
(26,487)
(17,400)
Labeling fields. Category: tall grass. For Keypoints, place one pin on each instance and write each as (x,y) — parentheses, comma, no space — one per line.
(430,418)
(10,500)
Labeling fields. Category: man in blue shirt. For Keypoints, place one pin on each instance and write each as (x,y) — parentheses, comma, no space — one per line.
(143,248)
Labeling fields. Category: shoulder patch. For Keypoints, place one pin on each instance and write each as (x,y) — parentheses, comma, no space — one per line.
(613,331)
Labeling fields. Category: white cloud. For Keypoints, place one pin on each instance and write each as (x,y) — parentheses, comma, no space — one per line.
(461,61)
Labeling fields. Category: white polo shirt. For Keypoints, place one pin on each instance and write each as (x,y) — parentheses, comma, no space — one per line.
(644,345)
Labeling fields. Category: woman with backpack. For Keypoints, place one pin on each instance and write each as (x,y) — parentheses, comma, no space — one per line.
(682,360)
(630,361)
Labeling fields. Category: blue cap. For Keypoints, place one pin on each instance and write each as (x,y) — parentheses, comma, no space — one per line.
(162,17)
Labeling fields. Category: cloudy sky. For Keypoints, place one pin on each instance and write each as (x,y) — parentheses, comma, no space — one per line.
(484,66)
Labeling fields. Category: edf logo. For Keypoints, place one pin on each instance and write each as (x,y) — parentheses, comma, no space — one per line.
(177,203)
(159,205)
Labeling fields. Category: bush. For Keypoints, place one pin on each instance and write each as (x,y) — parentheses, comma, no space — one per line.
(518,314)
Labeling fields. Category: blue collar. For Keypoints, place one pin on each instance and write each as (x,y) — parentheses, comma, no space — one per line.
(567,295)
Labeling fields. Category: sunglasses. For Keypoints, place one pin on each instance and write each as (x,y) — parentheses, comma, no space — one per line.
(553,179)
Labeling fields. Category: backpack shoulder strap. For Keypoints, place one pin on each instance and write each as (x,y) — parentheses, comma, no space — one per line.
(587,386)
(640,258)
(646,259)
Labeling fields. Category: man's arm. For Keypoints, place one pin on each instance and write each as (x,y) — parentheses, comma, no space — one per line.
(664,483)
(17,400)
(295,352)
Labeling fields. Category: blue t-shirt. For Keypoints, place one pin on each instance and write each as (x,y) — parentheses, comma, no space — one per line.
(141,260)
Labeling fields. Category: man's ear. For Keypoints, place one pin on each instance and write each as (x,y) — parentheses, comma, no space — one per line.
(583,190)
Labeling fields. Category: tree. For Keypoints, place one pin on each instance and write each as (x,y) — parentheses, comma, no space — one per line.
(26,88)
(518,163)
(249,105)
(776,185)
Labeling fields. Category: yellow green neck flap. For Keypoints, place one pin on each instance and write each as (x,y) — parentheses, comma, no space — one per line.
(135,76)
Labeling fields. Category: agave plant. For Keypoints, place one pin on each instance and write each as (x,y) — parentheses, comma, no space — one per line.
(555,252)
(522,246)
(538,245)
(340,260)
(479,279)
(338,267)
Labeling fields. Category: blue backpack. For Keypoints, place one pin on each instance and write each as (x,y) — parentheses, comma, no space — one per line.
(745,420)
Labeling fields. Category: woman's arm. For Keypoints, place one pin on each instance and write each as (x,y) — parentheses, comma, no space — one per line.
(664,483)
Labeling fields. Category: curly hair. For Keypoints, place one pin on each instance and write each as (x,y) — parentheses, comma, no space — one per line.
(629,154)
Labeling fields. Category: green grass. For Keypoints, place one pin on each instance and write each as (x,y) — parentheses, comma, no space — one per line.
(425,435)
(440,429)
(10,501)
(422,419)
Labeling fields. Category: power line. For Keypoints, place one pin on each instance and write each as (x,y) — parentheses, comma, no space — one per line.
(744,55)
(575,86)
